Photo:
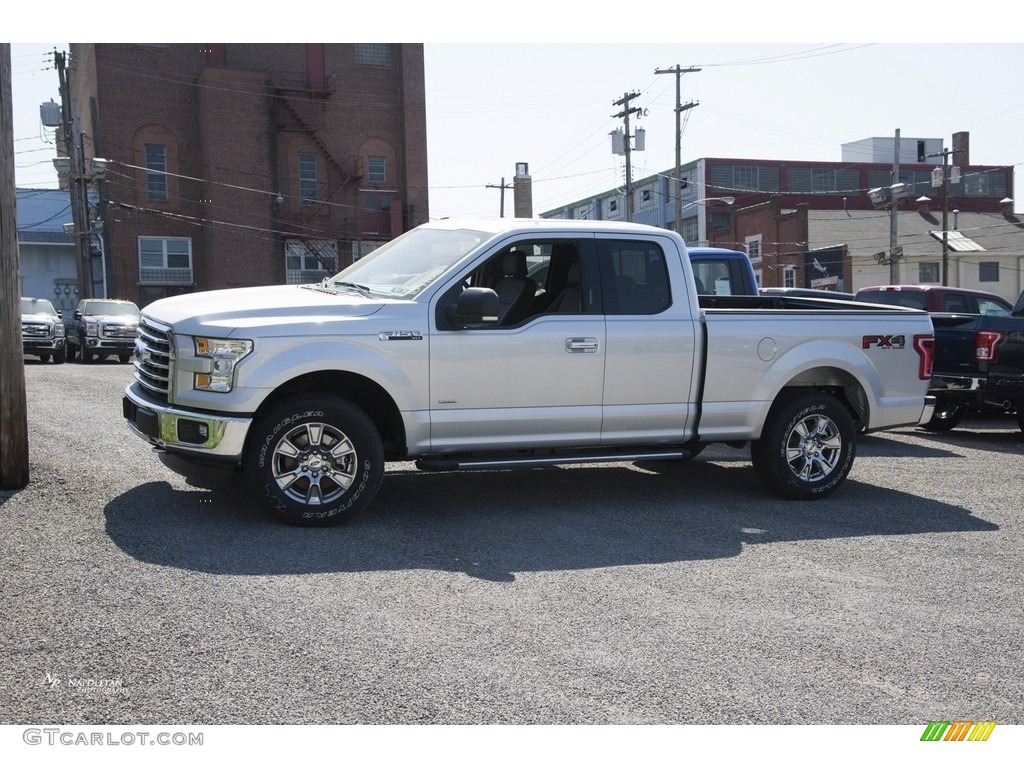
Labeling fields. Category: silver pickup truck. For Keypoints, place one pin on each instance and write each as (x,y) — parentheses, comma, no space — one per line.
(482,344)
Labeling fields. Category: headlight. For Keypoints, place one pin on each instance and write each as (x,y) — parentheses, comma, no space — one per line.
(224,355)
(90,328)
(58,330)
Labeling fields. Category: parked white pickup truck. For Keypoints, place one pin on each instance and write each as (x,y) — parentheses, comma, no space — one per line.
(472,344)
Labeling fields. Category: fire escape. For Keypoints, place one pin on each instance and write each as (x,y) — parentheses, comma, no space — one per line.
(307,223)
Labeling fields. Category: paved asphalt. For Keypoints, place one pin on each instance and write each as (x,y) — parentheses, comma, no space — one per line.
(676,593)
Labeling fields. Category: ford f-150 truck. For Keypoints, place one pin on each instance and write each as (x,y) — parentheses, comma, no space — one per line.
(101,327)
(979,363)
(439,348)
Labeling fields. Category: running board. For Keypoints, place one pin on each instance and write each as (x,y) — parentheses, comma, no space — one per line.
(450,464)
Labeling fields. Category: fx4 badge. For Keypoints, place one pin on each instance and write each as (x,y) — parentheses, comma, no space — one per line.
(884,342)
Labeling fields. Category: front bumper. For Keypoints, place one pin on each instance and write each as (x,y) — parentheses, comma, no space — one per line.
(123,346)
(197,435)
(34,346)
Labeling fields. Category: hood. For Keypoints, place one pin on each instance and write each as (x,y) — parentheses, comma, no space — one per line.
(237,309)
(39,317)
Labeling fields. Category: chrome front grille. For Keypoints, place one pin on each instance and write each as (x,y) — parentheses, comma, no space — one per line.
(153,357)
(116,330)
(36,330)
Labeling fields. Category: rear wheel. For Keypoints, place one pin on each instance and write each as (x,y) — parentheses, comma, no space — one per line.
(807,446)
(948,413)
(315,460)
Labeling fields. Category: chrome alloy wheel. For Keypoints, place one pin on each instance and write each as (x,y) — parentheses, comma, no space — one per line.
(314,463)
(814,447)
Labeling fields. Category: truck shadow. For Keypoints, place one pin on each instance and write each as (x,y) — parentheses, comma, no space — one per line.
(494,524)
(979,437)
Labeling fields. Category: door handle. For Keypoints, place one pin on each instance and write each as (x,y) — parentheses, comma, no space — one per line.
(581,345)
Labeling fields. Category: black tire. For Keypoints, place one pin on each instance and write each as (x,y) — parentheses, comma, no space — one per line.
(85,354)
(315,460)
(72,352)
(60,356)
(807,446)
(1020,416)
(124,358)
(44,358)
(948,414)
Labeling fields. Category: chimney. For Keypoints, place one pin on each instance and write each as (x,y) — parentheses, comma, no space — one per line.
(923,205)
(961,149)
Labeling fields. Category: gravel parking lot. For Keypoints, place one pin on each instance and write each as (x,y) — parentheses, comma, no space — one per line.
(676,593)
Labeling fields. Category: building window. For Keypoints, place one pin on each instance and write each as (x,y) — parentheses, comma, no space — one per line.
(309,261)
(375,212)
(928,272)
(165,260)
(373,54)
(377,169)
(156,172)
(745,177)
(823,180)
(307,178)
(988,272)
(754,248)
(789,277)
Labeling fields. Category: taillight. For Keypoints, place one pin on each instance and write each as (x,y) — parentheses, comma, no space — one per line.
(986,344)
(925,346)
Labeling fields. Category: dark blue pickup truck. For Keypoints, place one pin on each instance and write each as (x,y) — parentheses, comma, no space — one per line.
(979,362)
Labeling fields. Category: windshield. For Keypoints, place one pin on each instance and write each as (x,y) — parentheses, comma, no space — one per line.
(408,264)
(110,308)
(37,306)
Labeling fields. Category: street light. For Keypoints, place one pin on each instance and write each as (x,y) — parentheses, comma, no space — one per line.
(728,200)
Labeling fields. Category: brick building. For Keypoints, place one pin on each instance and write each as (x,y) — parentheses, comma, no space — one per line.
(246,164)
(775,211)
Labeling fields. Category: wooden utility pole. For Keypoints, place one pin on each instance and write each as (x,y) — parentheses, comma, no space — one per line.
(503,186)
(680,108)
(625,113)
(13,409)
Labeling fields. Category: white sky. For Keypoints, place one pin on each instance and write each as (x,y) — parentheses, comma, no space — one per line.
(549,101)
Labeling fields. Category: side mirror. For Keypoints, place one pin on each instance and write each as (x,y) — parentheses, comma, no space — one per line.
(78,315)
(475,308)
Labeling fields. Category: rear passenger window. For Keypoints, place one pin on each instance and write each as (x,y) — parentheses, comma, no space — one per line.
(634,278)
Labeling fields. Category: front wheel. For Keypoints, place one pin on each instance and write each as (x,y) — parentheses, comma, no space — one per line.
(807,447)
(315,460)
(60,356)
